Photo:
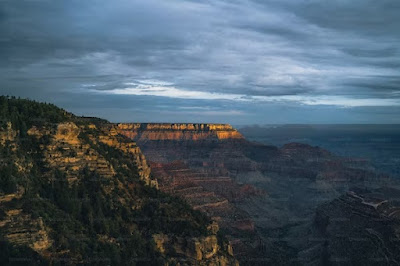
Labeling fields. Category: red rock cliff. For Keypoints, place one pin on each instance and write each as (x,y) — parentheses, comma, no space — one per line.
(165,131)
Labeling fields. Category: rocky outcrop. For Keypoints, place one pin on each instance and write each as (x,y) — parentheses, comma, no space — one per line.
(112,139)
(361,227)
(154,131)
(7,134)
(68,133)
(21,229)
(68,153)
(202,251)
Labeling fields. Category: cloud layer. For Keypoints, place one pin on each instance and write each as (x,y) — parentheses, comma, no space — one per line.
(237,61)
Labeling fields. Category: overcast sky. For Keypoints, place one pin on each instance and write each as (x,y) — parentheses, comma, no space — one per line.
(233,61)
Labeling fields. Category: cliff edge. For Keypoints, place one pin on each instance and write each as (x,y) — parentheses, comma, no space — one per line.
(167,131)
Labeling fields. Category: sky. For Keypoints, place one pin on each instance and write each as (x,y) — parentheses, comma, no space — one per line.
(212,61)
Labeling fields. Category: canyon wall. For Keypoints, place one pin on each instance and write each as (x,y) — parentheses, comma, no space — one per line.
(71,148)
(165,131)
(67,152)
(360,227)
(193,161)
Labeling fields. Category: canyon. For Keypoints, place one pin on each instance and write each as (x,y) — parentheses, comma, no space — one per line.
(74,188)
(75,191)
(263,197)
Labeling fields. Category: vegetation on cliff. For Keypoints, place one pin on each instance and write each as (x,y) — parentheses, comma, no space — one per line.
(69,194)
(23,113)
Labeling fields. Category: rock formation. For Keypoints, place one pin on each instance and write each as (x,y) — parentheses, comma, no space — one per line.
(360,227)
(154,131)
(7,134)
(68,153)
(201,249)
(22,229)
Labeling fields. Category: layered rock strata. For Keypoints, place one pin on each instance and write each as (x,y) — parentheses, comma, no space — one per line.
(361,227)
(193,162)
(164,131)
(67,152)
(202,249)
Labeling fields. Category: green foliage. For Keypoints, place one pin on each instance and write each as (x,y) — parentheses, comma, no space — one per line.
(12,255)
(161,212)
(172,216)
(8,181)
(24,113)
(78,214)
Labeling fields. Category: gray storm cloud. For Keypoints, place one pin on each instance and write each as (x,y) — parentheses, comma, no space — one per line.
(225,61)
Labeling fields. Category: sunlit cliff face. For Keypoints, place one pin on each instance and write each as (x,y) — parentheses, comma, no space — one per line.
(165,131)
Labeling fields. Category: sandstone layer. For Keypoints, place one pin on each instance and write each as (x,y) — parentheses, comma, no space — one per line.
(68,153)
(164,131)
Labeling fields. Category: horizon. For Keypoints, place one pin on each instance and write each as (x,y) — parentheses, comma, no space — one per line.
(189,122)
(232,124)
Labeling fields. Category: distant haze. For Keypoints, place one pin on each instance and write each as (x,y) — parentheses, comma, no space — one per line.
(238,62)
(378,143)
